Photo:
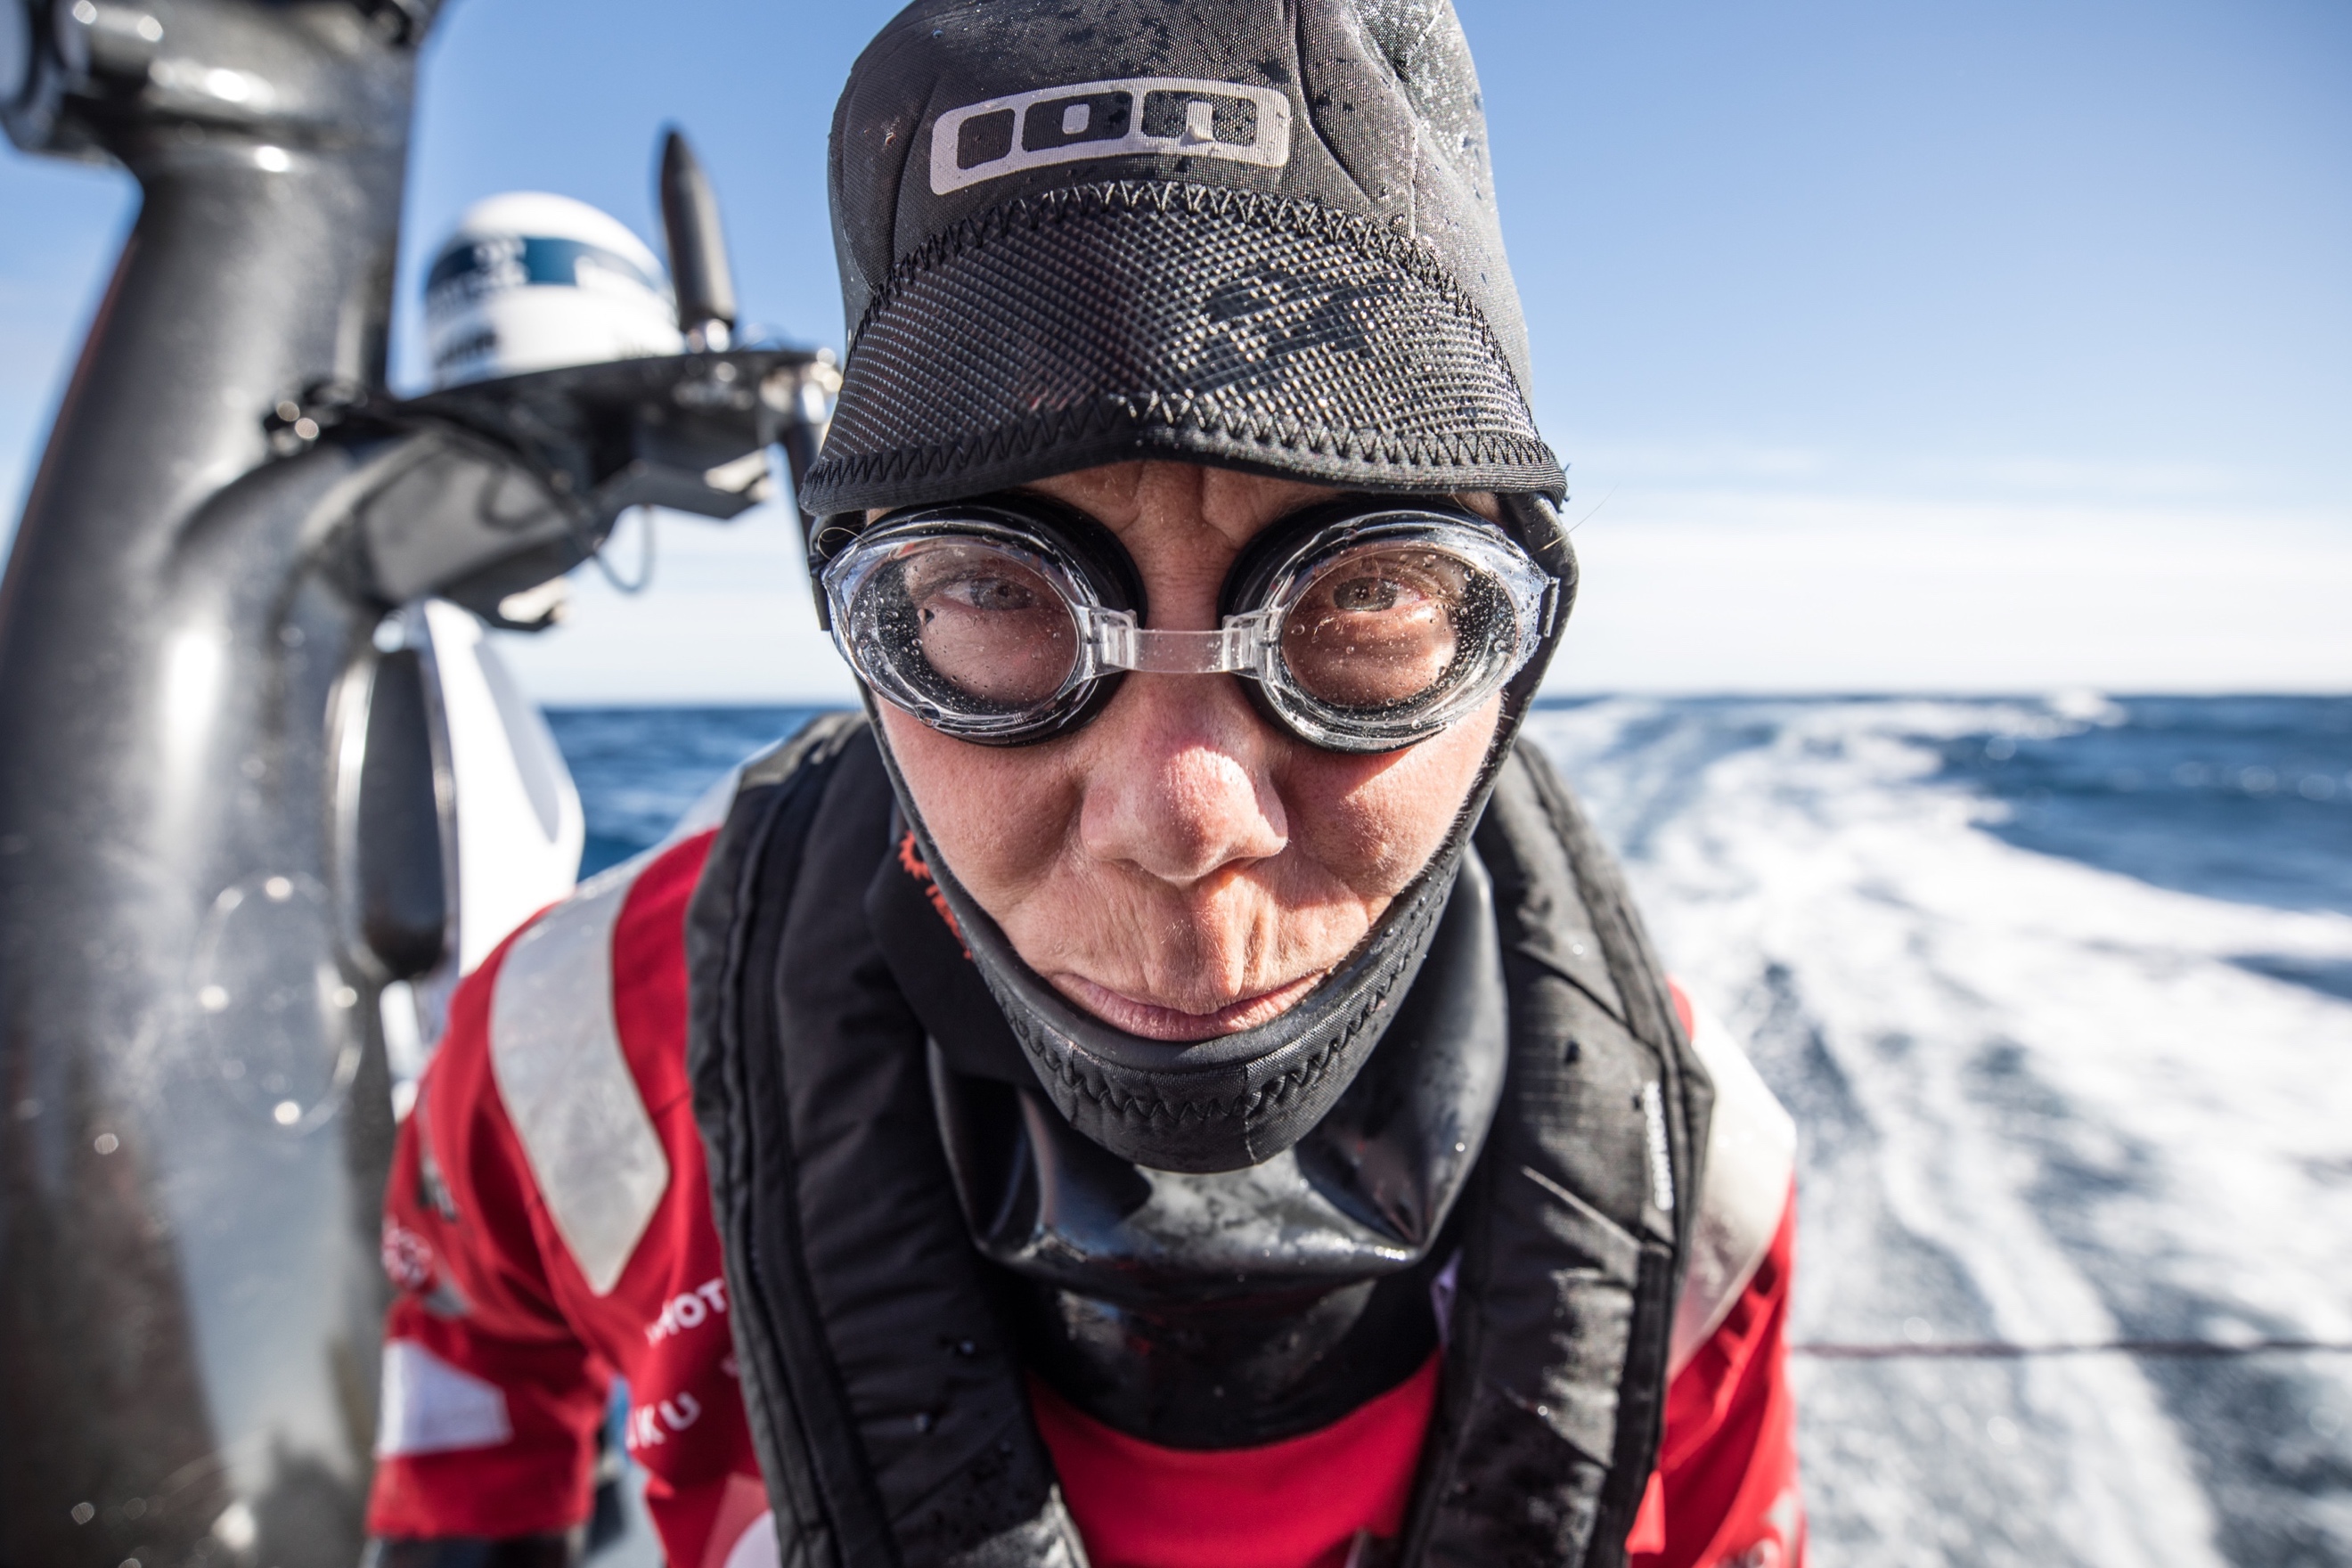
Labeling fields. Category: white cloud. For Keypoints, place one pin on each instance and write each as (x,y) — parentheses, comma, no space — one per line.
(1725,591)
(1601,467)
(1608,463)
(1686,590)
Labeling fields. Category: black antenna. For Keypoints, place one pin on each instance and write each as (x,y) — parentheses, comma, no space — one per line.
(698,248)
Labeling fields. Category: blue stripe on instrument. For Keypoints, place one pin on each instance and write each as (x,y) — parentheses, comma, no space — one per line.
(511,261)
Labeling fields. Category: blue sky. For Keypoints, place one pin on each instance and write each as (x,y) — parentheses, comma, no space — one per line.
(1892,346)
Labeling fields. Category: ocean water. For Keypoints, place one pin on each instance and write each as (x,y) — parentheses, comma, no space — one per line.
(2060,992)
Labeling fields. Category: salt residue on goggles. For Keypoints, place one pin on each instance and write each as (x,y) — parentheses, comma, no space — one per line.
(1367,633)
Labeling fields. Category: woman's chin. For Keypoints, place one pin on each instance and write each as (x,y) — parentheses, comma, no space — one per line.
(1156,1021)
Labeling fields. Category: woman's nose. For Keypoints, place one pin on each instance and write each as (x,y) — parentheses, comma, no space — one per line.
(1180,781)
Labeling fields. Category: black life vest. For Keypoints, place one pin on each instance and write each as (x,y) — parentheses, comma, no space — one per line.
(883,1382)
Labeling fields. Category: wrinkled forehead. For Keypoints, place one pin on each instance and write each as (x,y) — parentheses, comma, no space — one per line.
(1166,512)
(1171,509)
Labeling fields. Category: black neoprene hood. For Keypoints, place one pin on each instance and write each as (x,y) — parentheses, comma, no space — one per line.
(1242,232)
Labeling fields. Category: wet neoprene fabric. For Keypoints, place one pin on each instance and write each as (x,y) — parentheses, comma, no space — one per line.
(881,1334)
(1234,231)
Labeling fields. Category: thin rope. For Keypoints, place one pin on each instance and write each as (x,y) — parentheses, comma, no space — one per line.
(645,516)
(1996,1350)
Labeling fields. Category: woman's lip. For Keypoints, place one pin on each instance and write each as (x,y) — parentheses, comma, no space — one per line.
(1154,1022)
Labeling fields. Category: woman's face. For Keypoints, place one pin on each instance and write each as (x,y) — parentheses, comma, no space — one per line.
(1181,868)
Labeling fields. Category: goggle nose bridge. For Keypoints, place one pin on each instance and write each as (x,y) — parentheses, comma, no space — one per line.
(1244,645)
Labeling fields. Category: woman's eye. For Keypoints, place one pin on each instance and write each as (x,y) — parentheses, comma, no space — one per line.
(1368,596)
(1377,629)
(996,594)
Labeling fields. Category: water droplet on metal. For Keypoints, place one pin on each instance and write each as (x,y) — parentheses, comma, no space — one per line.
(236,1528)
(106,1144)
(285,1113)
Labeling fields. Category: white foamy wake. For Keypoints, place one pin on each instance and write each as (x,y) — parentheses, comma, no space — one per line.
(2040,1103)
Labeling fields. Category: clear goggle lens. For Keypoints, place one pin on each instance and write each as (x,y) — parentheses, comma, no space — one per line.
(1383,626)
(970,624)
(1360,646)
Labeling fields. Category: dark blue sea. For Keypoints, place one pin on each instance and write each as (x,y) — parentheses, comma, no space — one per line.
(2060,991)
(2247,799)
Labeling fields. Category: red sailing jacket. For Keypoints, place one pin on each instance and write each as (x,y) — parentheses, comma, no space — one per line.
(529,1278)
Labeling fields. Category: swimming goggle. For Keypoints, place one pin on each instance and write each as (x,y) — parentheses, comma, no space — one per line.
(1362,625)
